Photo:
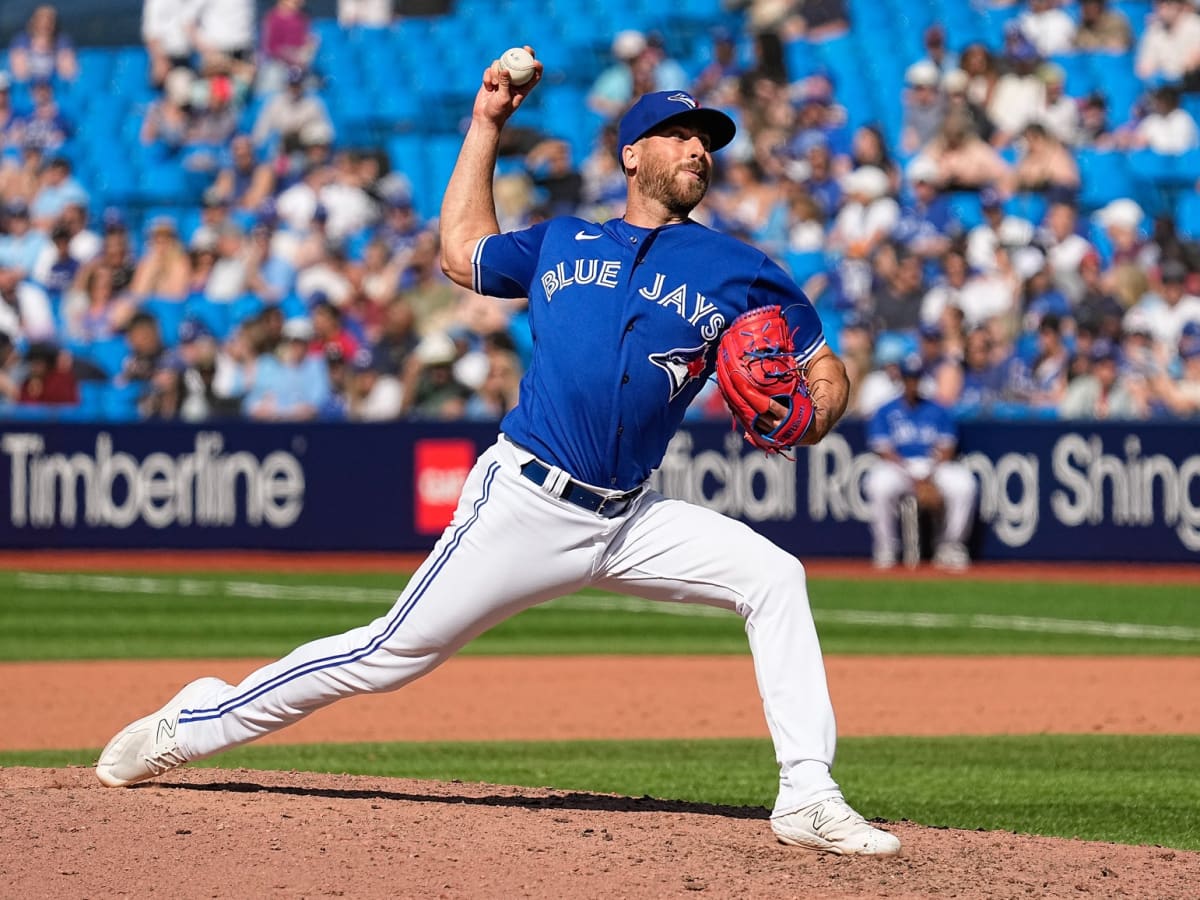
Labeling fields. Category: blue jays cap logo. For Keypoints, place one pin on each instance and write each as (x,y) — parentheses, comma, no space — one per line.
(682,365)
(656,109)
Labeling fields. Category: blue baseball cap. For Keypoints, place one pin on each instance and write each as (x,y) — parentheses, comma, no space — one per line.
(912,366)
(661,107)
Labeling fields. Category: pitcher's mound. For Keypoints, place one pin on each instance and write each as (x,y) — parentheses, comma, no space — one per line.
(243,833)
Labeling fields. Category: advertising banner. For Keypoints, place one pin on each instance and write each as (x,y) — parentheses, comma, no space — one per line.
(1046,491)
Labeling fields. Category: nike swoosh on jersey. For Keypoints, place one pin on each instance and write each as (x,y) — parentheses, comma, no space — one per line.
(582,235)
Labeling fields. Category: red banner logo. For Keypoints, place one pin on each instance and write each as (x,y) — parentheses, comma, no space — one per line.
(440,469)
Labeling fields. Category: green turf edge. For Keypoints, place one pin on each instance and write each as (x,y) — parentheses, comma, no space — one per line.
(1126,789)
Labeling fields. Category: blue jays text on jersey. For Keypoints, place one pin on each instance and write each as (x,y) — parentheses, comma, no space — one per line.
(912,431)
(625,322)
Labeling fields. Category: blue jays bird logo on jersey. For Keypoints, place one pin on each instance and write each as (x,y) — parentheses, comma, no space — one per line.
(682,365)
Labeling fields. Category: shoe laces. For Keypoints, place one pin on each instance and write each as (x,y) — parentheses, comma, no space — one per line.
(164,760)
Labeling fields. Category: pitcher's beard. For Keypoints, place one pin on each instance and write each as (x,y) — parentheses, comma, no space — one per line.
(662,183)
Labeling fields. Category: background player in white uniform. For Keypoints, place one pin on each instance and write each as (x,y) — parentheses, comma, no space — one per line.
(625,317)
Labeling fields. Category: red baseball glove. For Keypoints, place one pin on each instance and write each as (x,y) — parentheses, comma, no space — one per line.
(756,363)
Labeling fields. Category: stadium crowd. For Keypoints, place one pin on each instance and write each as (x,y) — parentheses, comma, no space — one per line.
(307,285)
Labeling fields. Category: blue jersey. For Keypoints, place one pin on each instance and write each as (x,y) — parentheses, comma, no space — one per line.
(911,431)
(625,322)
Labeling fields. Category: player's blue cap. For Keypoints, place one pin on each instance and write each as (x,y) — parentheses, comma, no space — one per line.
(660,107)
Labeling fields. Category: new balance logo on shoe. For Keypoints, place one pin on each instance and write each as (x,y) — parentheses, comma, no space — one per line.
(166,728)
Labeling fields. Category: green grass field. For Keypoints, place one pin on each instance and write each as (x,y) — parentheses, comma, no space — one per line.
(1128,789)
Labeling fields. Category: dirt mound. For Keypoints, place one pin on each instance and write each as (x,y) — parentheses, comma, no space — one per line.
(242,833)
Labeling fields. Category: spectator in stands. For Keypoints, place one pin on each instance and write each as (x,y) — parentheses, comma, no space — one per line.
(243,182)
(1065,248)
(964,161)
(820,20)
(20,245)
(869,147)
(41,52)
(25,312)
(916,442)
(1096,309)
(983,377)
(56,268)
(287,40)
(95,309)
(982,74)
(1102,29)
(146,351)
(285,116)
(1059,114)
(398,337)
(10,376)
(1121,220)
(947,290)
(1045,25)
(1169,49)
(166,32)
(868,216)
(498,393)
(1043,382)
(367,13)
(806,223)
(373,394)
(896,300)
(997,229)
(291,384)
(164,270)
(1017,98)
(934,41)
(48,377)
(1171,307)
(58,189)
(742,202)
(550,167)
(1101,393)
(328,330)
(613,88)
(1094,128)
(45,126)
(923,106)
(1039,296)
(1168,129)
(723,70)
(927,223)
(223,33)
(603,181)
(166,119)
(955,84)
(431,390)
(1045,165)
(821,182)
(10,137)
(941,378)
(1181,396)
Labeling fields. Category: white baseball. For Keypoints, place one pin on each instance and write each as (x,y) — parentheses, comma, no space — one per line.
(519,63)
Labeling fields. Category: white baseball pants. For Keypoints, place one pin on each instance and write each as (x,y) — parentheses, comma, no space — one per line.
(511,546)
(886,482)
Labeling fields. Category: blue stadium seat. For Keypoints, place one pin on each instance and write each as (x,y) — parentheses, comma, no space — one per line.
(804,265)
(119,402)
(109,354)
(215,316)
(170,315)
(1104,176)
(245,307)
(1187,216)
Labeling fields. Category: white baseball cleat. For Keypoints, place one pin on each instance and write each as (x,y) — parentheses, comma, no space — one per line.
(147,747)
(832,826)
(952,556)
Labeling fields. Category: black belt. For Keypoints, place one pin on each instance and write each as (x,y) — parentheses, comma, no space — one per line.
(607,505)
